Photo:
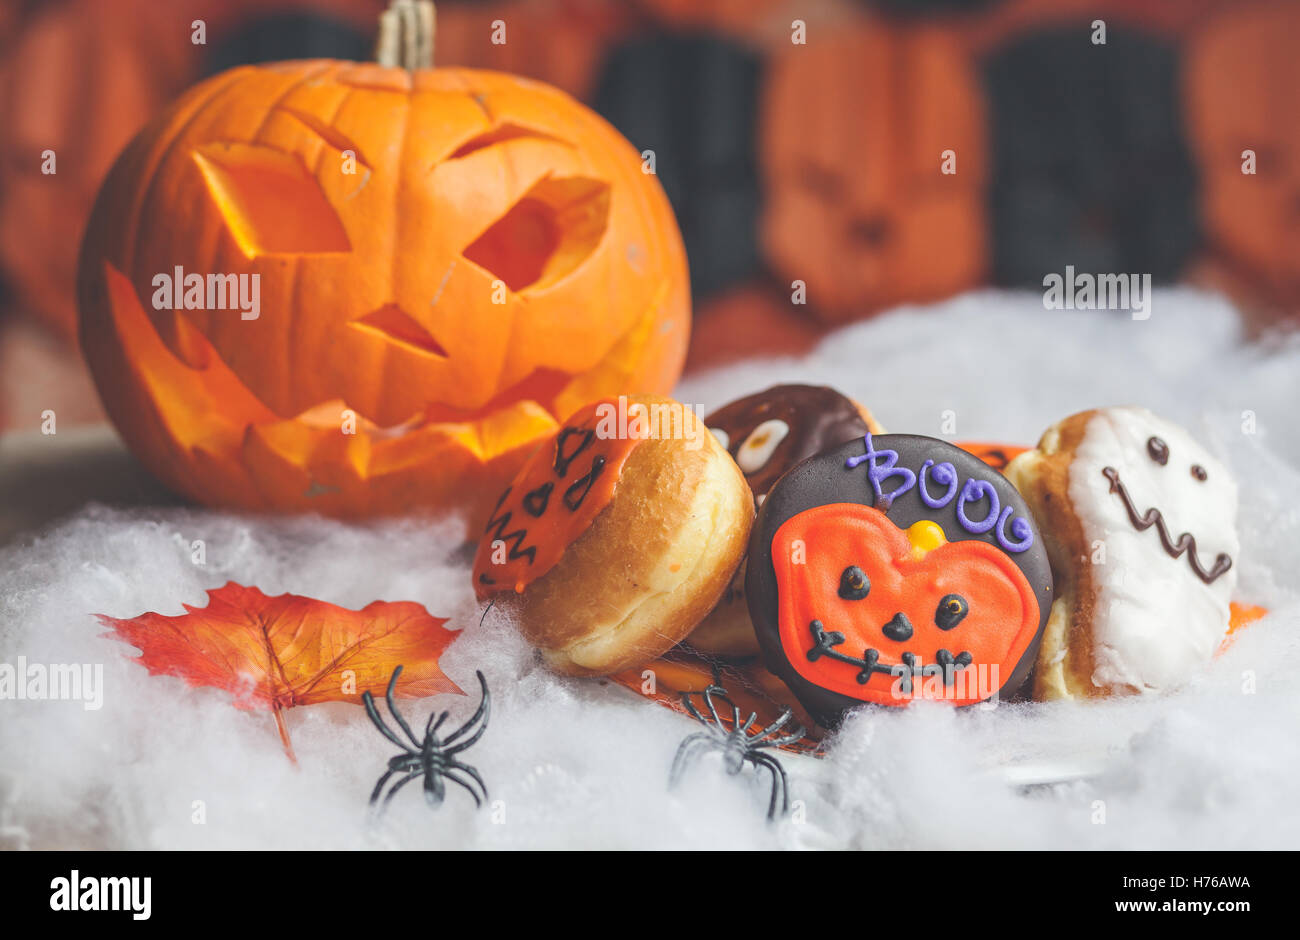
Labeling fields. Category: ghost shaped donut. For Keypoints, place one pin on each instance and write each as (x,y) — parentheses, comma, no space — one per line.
(894,568)
(618,535)
(767,433)
(1140,523)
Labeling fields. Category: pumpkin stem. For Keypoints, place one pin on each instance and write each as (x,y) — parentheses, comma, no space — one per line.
(406,35)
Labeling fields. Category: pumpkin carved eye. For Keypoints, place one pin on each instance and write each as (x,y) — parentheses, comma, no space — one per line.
(854,584)
(546,235)
(951,611)
(269,201)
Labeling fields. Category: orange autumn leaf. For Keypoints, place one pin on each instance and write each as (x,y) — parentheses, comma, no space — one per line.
(279,652)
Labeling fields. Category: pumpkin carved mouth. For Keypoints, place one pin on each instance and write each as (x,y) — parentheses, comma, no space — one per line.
(206,409)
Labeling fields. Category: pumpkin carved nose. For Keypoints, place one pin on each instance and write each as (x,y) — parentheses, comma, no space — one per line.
(900,628)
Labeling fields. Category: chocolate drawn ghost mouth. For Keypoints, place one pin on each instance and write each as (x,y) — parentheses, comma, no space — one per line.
(1154,517)
(945,664)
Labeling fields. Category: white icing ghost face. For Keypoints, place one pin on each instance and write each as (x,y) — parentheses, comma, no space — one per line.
(1159,514)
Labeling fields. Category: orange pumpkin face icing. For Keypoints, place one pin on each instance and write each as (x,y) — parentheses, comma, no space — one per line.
(876,613)
(894,568)
(553,500)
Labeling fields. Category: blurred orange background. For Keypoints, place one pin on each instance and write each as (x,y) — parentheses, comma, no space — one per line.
(784,161)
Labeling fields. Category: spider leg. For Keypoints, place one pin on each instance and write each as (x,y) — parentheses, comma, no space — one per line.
(379,787)
(484,712)
(430,728)
(465,742)
(685,751)
(775,726)
(690,707)
(392,707)
(466,768)
(749,722)
(368,701)
(455,778)
(790,738)
(399,784)
(780,783)
(709,692)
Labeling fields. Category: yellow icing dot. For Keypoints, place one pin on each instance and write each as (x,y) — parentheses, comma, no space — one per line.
(925,537)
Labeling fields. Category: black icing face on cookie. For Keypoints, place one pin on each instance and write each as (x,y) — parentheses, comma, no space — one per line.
(897,567)
(771,431)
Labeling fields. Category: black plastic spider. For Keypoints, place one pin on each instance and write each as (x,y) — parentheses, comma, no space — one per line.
(737,745)
(432,758)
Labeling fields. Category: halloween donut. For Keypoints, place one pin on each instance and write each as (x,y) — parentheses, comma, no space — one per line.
(1140,524)
(897,567)
(768,433)
(618,535)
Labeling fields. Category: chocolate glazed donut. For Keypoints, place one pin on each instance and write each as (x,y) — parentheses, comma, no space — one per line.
(897,567)
(768,433)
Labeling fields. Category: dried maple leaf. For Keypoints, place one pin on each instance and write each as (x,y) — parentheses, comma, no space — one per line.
(279,652)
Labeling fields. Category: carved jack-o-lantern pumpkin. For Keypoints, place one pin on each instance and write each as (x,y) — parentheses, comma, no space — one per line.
(858,204)
(446,262)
